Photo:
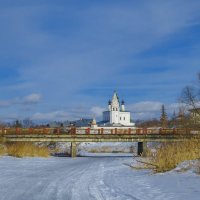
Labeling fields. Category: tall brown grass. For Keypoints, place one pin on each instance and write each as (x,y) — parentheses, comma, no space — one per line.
(169,155)
(23,149)
(2,149)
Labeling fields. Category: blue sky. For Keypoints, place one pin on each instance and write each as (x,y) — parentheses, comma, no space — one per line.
(62,60)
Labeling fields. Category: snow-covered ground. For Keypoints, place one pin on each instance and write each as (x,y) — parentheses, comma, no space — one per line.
(94,178)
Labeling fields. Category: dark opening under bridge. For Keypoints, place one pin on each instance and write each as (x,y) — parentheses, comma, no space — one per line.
(77,135)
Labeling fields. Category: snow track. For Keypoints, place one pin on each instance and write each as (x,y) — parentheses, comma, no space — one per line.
(103,178)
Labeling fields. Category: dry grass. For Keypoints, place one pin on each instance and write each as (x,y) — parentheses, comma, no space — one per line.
(168,156)
(22,149)
(108,149)
(2,149)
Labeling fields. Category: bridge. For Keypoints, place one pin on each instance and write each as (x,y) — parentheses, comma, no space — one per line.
(77,135)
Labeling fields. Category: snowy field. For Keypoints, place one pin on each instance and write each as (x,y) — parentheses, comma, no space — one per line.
(94,178)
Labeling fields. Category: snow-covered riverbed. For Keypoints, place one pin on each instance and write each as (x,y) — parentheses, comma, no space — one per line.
(86,178)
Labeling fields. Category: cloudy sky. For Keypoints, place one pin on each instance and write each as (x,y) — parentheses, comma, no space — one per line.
(62,59)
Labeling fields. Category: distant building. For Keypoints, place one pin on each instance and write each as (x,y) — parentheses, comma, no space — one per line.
(76,123)
(94,123)
(116,115)
(195,116)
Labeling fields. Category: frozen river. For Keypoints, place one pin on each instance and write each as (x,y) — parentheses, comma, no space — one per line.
(94,178)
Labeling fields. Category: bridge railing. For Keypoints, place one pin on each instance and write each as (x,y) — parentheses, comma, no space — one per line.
(100,130)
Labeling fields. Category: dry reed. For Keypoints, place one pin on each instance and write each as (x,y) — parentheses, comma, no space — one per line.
(22,149)
(168,156)
(2,149)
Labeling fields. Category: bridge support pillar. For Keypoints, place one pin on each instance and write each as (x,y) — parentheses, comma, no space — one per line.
(73,149)
(142,149)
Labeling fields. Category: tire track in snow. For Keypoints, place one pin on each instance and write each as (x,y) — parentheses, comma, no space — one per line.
(96,184)
(100,191)
(51,181)
(62,185)
(139,184)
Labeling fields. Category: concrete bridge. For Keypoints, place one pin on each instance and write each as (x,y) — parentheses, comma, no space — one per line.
(74,136)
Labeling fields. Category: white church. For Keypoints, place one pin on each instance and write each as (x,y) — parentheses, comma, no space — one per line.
(116,115)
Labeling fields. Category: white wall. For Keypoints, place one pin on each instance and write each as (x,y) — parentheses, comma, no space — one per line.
(118,117)
(114,117)
(124,118)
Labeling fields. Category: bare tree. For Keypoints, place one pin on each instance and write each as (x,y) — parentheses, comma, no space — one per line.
(2,125)
(191,96)
(173,122)
(181,118)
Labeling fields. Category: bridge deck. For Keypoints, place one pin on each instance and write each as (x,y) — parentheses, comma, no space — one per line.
(98,137)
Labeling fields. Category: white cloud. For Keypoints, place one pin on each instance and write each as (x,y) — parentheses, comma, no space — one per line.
(152,109)
(32,98)
(69,114)
(147,106)
(56,115)
(97,111)
(29,99)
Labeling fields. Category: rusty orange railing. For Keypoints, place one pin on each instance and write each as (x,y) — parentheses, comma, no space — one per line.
(100,130)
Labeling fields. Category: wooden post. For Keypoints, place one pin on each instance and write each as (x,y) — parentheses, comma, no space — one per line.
(30,130)
(144,130)
(142,149)
(17,130)
(73,130)
(58,131)
(87,131)
(129,131)
(138,131)
(101,130)
(73,149)
(115,130)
